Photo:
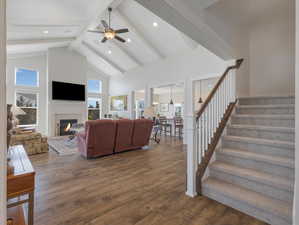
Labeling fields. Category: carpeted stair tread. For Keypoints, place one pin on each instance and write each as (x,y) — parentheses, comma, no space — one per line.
(275,160)
(254,175)
(275,143)
(254,199)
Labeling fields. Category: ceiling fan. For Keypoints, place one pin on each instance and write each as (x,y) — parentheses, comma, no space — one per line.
(108,32)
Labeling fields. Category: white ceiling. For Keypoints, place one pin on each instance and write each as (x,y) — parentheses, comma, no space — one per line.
(66,22)
(244,12)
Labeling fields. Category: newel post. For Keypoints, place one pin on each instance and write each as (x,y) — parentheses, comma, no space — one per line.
(190,131)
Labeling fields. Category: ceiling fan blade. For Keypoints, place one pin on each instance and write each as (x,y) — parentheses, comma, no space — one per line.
(96,31)
(104,40)
(120,39)
(121,31)
(99,27)
(105,24)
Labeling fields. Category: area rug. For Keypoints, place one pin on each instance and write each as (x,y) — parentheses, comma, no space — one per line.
(63,145)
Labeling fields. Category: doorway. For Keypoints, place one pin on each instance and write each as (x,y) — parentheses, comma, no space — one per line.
(139,104)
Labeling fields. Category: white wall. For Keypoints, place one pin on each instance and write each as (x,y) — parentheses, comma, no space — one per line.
(296,199)
(94,74)
(37,63)
(3,117)
(173,70)
(237,37)
(66,66)
(69,66)
(272,54)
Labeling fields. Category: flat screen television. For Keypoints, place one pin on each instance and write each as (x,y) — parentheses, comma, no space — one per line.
(68,91)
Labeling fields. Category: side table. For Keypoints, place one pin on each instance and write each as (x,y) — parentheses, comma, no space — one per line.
(22,181)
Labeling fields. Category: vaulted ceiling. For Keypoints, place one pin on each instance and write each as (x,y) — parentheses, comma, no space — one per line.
(35,26)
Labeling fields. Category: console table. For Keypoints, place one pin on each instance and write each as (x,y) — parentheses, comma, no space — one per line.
(22,181)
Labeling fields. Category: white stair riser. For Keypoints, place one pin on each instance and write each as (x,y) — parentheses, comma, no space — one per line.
(264,134)
(264,121)
(257,165)
(246,182)
(266,111)
(245,208)
(259,148)
(266,101)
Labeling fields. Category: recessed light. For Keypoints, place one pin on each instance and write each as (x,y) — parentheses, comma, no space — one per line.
(155,24)
(109,52)
(45,31)
(129,40)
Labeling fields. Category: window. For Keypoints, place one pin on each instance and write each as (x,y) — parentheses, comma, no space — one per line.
(94,86)
(94,108)
(94,89)
(26,77)
(28,103)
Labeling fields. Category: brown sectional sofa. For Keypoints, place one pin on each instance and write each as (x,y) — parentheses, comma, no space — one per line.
(106,137)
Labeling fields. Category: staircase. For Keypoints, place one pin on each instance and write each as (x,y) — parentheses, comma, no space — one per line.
(254,167)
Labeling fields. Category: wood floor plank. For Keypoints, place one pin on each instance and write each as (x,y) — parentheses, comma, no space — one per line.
(144,187)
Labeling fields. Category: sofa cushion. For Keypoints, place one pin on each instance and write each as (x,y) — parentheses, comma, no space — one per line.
(142,132)
(100,137)
(124,135)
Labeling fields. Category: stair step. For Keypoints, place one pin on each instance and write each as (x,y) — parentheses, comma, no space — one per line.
(273,186)
(261,146)
(275,160)
(288,109)
(270,210)
(264,132)
(267,100)
(265,120)
(280,166)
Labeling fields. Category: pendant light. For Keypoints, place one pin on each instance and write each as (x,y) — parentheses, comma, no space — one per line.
(200,101)
(171,101)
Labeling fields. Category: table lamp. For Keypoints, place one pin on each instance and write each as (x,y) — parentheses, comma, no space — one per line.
(17,111)
(149,112)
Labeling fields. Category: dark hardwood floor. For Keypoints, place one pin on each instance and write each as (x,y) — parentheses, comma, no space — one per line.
(145,187)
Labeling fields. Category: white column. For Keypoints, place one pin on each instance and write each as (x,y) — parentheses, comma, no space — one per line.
(191,139)
(3,117)
(148,96)
(131,105)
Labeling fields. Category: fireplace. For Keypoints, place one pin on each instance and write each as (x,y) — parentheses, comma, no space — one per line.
(62,120)
(65,125)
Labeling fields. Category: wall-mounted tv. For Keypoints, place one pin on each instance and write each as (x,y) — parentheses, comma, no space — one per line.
(68,91)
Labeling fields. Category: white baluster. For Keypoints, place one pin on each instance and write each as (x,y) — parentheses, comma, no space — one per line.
(218,107)
(202,137)
(226,93)
(209,122)
(234,85)
(206,130)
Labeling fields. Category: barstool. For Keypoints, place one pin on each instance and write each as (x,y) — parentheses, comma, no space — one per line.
(178,126)
(165,126)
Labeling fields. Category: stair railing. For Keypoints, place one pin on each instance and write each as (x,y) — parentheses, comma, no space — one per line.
(212,118)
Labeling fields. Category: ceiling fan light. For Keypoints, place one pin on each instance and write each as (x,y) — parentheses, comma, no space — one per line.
(109,34)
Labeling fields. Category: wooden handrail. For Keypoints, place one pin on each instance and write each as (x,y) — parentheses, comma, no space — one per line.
(213,92)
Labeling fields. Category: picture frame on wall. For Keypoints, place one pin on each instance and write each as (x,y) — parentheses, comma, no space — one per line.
(164,107)
(119,103)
